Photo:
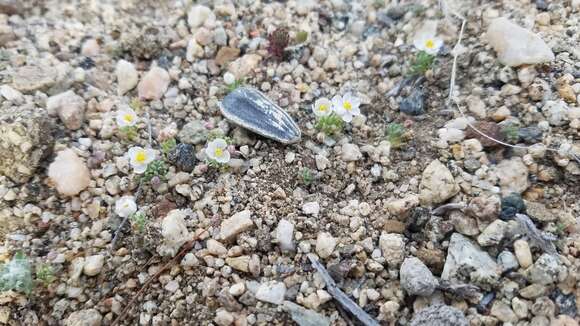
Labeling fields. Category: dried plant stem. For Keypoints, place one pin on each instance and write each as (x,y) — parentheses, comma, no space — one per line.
(186,247)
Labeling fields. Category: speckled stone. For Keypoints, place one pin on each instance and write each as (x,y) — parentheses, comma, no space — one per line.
(252,110)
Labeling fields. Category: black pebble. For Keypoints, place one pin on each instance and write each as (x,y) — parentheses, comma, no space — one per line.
(511,205)
(183,157)
(414,104)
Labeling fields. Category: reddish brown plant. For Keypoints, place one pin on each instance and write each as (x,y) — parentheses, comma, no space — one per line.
(278,41)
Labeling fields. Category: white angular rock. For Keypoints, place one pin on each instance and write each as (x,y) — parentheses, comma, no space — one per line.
(235,225)
(127,76)
(69,173)
(198,15)
(174,232)
(88,317)
(10,93)
(154,84)
(272,292)
(437,184)
(512,175)
(493,233)
(556,112)
(467,263)
(311,208)
(216,248)
(69,107)
(284,235)
(393,248)
(515,45)
(350,153)
(93,265)
(325,244)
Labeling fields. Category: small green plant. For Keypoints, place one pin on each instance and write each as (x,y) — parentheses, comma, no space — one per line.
(156,168)
(16,275)
(139,220)
(306,176)
(395,133)
(423,62)
(45,274)
(237,83)
(168,145)
(129,133)
(330,124)
(511,133)
(301,37)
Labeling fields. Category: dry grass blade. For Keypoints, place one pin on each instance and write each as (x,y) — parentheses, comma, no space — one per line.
(341,297)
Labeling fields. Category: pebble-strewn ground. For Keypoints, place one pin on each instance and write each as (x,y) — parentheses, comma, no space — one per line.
(235,238)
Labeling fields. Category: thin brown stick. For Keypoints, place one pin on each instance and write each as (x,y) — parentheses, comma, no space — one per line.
(186,247)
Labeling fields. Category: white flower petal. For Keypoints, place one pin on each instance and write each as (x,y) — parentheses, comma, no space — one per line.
(337,101)
(210,151)
(225,158)
(347,117)
(355,110)
(150,154)
(220,143)
(139,168)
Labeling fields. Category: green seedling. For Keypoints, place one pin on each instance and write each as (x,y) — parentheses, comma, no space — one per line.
(395,132)
(511,133)
(45,274)
(139,221)
(423,62)
(330,124)
(156,168)
(168,145)
(306,176)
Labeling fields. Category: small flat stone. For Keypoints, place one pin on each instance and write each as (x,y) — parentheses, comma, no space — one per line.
(236,224)
(272,292)
(252,110)
(154,84)
(515,45)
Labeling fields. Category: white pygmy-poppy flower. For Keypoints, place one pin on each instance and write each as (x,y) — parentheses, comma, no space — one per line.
(229,78)
(322,107)
(126,117)
(346,106)
(125,206)
(140,157)
(217,150)
(429,44)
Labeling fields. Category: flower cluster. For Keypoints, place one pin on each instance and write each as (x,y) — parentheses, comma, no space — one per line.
(346,107)
(332,114)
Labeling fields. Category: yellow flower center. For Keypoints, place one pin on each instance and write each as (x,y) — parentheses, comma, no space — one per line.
(429,44)
(218,152)
(323,107)
(347,106)
(140,157)
(128,117)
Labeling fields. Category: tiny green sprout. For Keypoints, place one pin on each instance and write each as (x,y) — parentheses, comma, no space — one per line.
(136,105)
(45,274)
(306,176)
(301,37)
(16,275)
(330,124)
(423,62)
(511,133)
(156,168)
(168,145)
(139,221)
(222,167)
(129,133)
(395,133)
(237,83)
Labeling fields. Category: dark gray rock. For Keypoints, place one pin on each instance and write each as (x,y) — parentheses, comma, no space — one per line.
(183,157)
(530,135)
(416,278)
(414,104)
(439,315)
(566,302)
(249,108)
